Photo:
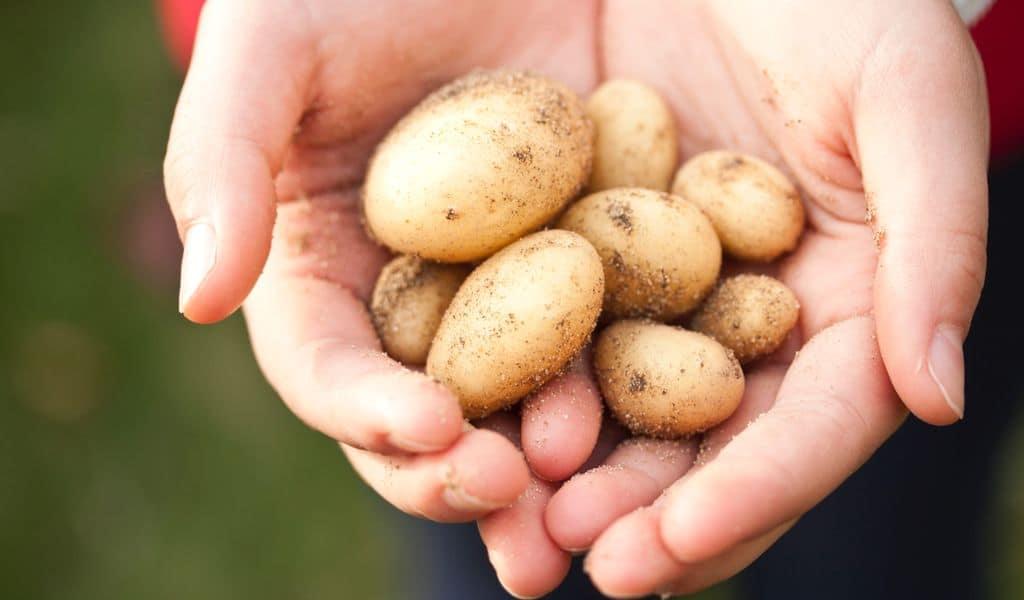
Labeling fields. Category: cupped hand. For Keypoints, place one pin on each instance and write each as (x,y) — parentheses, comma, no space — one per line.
(878,110)
(283,103)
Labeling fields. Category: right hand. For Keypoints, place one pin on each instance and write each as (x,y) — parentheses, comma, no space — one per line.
(282,106)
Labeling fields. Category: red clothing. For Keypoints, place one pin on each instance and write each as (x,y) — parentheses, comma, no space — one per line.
(998,35)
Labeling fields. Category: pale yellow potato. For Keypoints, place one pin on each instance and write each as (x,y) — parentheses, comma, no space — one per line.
(408,302)
(666,382)
(478,164)
(660,253)
(755,208)
(749,314)
(635,140)
(517,320)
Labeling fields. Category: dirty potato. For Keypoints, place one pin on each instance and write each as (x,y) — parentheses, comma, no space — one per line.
(408,301)
(749,314)
(660,253)
(478,164)
(665,381)
(756,209)
(517,320)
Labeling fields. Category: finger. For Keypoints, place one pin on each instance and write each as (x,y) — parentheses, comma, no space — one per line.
(526,560)
(528,564)
(314,340)
(723,567)
(482,472)
(561,422)
(244,94)
(638,471)
(834,408)
(630,559)
(921,125)
(634,475)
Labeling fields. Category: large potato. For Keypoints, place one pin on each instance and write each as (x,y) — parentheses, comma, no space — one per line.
(517,320)
(635,141)
(749,314)
(660,253)
(408,301)
(664,381)
(478,164)
(756,209)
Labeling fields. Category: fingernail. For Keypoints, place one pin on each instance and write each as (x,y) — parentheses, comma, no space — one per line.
(946,367)
(458,498)
(197,260)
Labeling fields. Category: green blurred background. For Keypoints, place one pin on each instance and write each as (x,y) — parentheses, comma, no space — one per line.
(141,456)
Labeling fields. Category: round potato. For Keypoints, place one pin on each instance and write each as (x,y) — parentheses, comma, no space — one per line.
(408,301)
(660,253)
(749,314)
(517,320)
(664,381)
(756,209)
(481,162)
(635,142)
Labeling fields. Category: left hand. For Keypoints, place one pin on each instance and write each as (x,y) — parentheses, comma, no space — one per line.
(879,111)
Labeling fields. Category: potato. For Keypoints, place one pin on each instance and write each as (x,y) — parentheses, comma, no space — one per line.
(517,320)
(756,209)
(749,314)
(635,141)
(408,301)
(660,253)
(664,381)
(481,162)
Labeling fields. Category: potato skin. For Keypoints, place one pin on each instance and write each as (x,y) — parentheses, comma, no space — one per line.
(660,253)
(749,314)
(635,140)
(666,382)
(517,320)
(408,301)
(478,164)
(756,209)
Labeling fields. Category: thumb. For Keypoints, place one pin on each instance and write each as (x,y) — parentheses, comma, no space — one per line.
(921,128)
(244,94)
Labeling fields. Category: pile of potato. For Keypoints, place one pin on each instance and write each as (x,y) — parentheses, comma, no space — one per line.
(503,274)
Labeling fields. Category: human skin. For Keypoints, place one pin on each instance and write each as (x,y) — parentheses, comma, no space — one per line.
(877,109)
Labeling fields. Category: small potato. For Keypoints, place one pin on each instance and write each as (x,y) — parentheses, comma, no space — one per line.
(408,301)
(755,208)
(635,142)
(664,381)
(749,314)
(517,320)
(481,162)
(660,253)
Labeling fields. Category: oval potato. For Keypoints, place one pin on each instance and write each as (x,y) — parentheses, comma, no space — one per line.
(478,164)
(517,320)
(635,142)
(749,314)
(660,253)
(756,209)
(408,301)
(664,381)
